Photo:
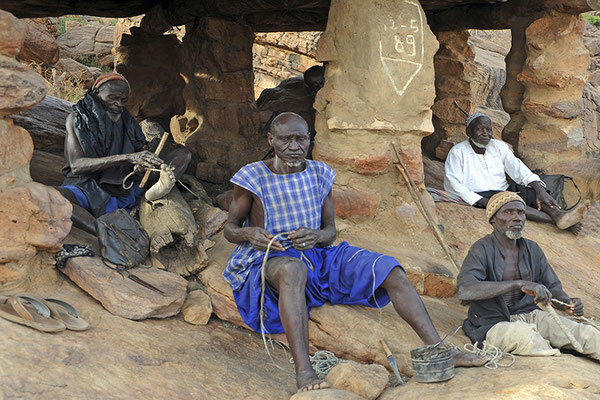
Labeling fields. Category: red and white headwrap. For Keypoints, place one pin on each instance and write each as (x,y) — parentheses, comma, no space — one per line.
(109,76)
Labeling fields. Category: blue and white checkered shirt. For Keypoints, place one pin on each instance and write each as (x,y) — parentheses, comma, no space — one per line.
(289,201)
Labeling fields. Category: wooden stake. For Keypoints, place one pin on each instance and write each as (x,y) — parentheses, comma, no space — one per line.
(163,140)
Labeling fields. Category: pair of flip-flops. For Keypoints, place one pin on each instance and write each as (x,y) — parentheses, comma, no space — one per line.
(46,315)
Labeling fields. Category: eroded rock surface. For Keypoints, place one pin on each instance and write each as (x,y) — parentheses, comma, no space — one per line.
(124,297)
(367,381)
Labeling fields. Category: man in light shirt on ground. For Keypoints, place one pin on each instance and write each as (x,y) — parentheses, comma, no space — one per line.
(476,169)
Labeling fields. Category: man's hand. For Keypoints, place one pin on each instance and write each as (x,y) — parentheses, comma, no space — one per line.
(304,238)
(260,238)
(482,202)
(542,196)
(145,159)
(540,292)
(575,307)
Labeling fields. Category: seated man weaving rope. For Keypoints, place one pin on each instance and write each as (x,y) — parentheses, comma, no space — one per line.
(287,200)
(505,276)
(102,145)
(476,169)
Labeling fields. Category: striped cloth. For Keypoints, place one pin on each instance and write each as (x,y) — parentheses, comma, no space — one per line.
(289,201)
(109,76)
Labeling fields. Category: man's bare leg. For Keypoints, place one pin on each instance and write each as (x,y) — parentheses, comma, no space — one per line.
(81,218)
(288,276)
(410,308)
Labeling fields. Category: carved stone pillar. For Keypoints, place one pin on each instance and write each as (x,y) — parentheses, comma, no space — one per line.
(379,89)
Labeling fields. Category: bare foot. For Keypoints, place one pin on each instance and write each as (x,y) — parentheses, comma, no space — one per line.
(163,186)
(462,359)
(571,217)
(575,229)
(308,380)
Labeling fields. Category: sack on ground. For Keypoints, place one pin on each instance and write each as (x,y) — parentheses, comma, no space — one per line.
(122,239)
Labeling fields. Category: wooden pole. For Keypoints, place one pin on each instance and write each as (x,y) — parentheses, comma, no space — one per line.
(163,140)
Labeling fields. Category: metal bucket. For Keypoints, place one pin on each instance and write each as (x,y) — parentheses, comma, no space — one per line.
(432,364)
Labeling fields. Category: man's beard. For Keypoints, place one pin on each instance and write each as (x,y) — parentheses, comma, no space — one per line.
(513,235)
(479,145)
(293,164)
(114,117)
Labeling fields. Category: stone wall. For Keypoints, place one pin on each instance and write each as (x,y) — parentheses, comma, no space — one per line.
(220,125)
(553,76)
(43,217)
(469,73)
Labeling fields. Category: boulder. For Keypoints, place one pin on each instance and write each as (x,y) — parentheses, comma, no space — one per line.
(367,381)
(15,153)
(12,34)
(326,394)
(210,219)
(39,47)
(21,87)
(40,222)
(124,297)
(197,308)
(87,41)
(76,72)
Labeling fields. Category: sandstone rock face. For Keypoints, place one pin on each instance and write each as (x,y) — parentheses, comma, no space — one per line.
(87,41)
(40,222)
(554,76)
(15,153)
(371,99)
(75,71)
(21,87)
(210,219)
(470,72)
(40,46)
(278,56)
(351,202)
(326,394)
(150,57)
(124,297)
(197,308)
(220,117)
(367,381)
(12,34)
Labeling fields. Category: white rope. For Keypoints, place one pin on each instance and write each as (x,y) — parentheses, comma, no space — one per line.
(492,353)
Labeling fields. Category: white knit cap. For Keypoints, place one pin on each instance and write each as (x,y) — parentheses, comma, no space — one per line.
(474,116)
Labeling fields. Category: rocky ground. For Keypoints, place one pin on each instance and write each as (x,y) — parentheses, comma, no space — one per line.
(156,359)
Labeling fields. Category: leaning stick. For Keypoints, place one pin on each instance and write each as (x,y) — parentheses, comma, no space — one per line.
(412,188)
(163,140)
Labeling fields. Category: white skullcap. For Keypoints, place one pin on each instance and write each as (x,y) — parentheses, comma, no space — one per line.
(474,116)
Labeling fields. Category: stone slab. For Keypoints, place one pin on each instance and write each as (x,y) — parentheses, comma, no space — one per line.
(124,297)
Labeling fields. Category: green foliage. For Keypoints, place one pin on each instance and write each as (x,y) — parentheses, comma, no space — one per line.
(62,21)
(94,62)
(592,19)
